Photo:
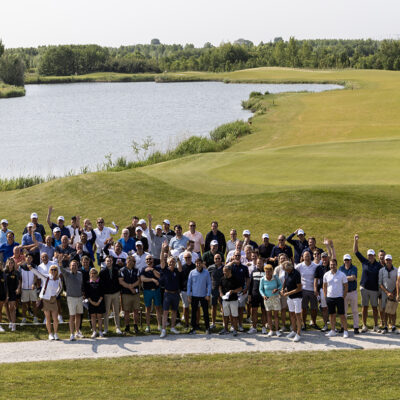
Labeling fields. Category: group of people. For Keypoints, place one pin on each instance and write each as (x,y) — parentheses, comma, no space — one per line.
(237,277)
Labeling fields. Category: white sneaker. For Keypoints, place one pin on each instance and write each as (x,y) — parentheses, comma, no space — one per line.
(376,328)
(79,335)
(111,315)
(147,330)
(264,330)
(252,330)
(212,326)
(325,328)
(270,334)
(364,329)
(1,329)
(297,338)
(331,333)
(60,319)
(14,327)
(23,321)
(283,329)
(35,320)
(72,337)
(104,333)
(159,328)
(51,336)
(56,337)
(231,329)
(278,333)
(10,325)
(94,335)
(240,328)
(345,334)
(122,314)
(291,335)
(174,330)
(163,333)
(118,331)
(101,334)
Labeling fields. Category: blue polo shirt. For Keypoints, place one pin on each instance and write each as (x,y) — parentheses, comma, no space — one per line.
(128,245)
(370,273)
(7,250)
(27,240)
(64,230)
(352,285)
(3,236)
(199,283)
(176,243)
(170,280)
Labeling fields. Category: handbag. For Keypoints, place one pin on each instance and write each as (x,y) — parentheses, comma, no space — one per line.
(391,306)
(39,302)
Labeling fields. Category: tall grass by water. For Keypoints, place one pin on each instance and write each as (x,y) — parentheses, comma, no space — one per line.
(7,91)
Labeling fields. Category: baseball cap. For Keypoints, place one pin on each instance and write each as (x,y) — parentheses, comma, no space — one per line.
(138,243)
(347,257)
(265,235)
(246,232)
(300,232)
(4,221)
(139,228)
(324,254)
(60,218)
(388,257)
(142,221)
(370,252)
(30,225)
(34,215)
(158,227)
(166,221)
(56,229)
(214,242)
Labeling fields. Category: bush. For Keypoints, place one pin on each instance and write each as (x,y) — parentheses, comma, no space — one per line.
(255,94)
(12,69)
(232,130)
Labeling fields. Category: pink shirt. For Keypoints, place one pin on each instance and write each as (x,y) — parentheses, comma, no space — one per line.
(198,239)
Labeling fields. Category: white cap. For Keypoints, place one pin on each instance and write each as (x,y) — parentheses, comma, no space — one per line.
(265,235)
(138,243)
(214,242)
(347,257)
(56,229)
(34,215)
(30,225)
(4,221)
(300,232)
(158,227)
(60,218)
(142,221)
(388,257)
(246,232)
(139,228)
(166,221)
(370,252)
(175,253)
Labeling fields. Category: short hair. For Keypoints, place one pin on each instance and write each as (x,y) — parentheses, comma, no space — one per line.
(85,258)
(268,267)
(93,271)
(135,217)
(311,238)
(248,246)
(110,257)
(334,261)
(130,258)
(287,264)
(214,222)
(178,226)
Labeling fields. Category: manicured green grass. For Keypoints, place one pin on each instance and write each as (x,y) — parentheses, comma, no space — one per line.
(309,375)
(7,91)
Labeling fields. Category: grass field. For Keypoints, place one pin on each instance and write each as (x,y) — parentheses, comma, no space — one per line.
(324,375)
(7,91)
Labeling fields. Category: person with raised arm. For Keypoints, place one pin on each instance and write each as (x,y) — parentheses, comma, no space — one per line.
(299,244)
(60,223)
(102,234)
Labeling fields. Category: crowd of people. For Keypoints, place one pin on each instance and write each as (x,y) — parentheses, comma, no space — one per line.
(176,273)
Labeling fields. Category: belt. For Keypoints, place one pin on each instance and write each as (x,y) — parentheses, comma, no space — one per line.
(171,291)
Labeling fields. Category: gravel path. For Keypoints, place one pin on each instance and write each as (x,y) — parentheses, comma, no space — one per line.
(185,344)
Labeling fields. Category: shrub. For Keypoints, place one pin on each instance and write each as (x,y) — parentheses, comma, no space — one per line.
(12,69)
(232,129)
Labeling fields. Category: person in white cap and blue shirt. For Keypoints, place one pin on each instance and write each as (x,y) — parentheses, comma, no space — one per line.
(3,231)
(387,284)
(369,284)
(36,226)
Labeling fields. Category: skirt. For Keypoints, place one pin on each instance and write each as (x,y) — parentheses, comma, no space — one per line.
(100,309)
(50,305)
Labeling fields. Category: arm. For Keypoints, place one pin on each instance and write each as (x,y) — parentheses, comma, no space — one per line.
(325,287)
(316,286)
(290,240)
(49,216)
(298,289)
(355,245)
(163,262)
(189,285)
(261,288)
(345,289)
(208,286)
(37,273)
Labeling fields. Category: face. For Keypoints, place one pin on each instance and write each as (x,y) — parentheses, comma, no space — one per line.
(333,266)
(307,257)
(227,272)
(149,261)
(281,240)
(125,234)
(109,262)
(4,226)
(85,263)
(187,258)
(178,231)
(139,248)
(17,251)
(254,257)
(73,266)
(282,258)
(217,260)
(53,271)
(192,226)
(214,248)
(388,262)
(10,238)
(87,224)
(49,241)
(347,263)
(233,235)
(30,230)
(268,273)
(301,237)
(131,262)
(29,259)
(382,256)
(260,264)
(325,260)
(214,226)
(239,245)
(248,253)
(93,275)
(236,257)
(311,242)
(45,258)
(317,257)
(199,264)
(60,223)
(64,240)
(171,263)
(100,223)
(371,258)
(135,221)
(166,227)
(57,235)
(266,240)
(139,233)
(118,247)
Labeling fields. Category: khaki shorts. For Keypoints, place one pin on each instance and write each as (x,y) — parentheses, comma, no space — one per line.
(230,308)
(75,305)
(51,304)
(273,303)
(130,302)
(28,295)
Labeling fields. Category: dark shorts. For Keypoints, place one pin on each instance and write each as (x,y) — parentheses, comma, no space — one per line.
(215,299)
(309,297)
(171,301)
(335,305)
(257,301)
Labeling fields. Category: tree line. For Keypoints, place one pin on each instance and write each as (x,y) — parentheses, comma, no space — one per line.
(157,57)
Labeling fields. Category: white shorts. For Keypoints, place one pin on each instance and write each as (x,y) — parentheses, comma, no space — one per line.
(75,305)
(294,305)
(230,308)
(323,300)
(28,295)
(185,301)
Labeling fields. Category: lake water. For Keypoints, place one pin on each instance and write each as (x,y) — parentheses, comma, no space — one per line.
(62,127)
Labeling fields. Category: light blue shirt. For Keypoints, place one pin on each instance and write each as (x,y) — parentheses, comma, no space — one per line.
(176,243)
(27,238)
(199,283)
(266,287)
(3,236)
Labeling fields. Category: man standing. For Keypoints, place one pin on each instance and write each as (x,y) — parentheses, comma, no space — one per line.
(299,245)
(102,234)
(266,247)
(197,237)
(217,235)
(208,256)
(36,226)
(247,241)
(199,291)
(27,242)
(307,271)
(255,298)
(387,283)
(369,284)
(60,223)
(216,274)
(7,248)
(179,241)
(74,230)
(335,291)
(320,271)
(140,256)
(3,231)
(231,243)
(187,267)
(169,233)
(282,247)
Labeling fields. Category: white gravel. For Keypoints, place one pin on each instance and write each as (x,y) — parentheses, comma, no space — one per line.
(185,344)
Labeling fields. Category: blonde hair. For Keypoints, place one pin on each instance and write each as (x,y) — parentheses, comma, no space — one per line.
(268,267)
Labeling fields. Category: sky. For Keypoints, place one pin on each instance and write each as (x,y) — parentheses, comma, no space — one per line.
(26,23)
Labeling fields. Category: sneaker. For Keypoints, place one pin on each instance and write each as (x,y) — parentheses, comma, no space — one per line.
(297,338)
(231,329)
(291,335)
(101,334)
(223,331)
(10,325)
(331,333)
(135,328)
(315,326)
(264,330)
(235,333)
(122,314)
(105,333)
(79,335)
(325,328)
(23,321)
(208,331)
(72,337)
(252,330)
(249,321)
(118,331)
(283,329)
(278,333)
(385,330)
(240,328)
(212,327)
(51,337)
(192,332)
(60,319)
(174,330)
(270,334)
(356,331)
(393,329)
(147,330)
(376,328)
(364,329)
(14,327)
(1,329)
(94,335)
(111,315)
(56,337)
(345,334)
(127,329)
(35,320)
(163,333)
(159,328)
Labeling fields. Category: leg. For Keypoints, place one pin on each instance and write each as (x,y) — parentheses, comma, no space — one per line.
(263,316)
(375,314)
(254,316)
(304,315)
(298,323)
(332,318)
(173,318)
(12,308)
(226,322)
(165,318)
(344,321)
(159,314)
(276,318)
(195,304)
(93,320)
(54,314)
(77,322)
(148,310)
(283,316)
(352,296)
(186,315)
(24,308)
(204,306)
(47,314)
(115,304)
(214,314)
(107,301)
(72,324)
(364,315)
(269,319)
(99,321)
(314,316)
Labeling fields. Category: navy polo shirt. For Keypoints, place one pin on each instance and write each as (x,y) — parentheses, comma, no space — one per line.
(291,281)
(352,285)
(370,273)
(171,280)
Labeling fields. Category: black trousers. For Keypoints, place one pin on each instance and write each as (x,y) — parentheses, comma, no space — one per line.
(204,305)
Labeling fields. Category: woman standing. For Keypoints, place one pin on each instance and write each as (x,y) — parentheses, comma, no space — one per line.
(13,278)
(280,272)
(94,293)
(3,295)
(51,288)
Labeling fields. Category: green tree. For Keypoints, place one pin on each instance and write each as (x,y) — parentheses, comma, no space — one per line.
(1,48)
(12,69)
(155,42)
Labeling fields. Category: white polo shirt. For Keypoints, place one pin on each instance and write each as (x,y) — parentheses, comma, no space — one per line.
(335,283)
(102,236)
(307,273)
